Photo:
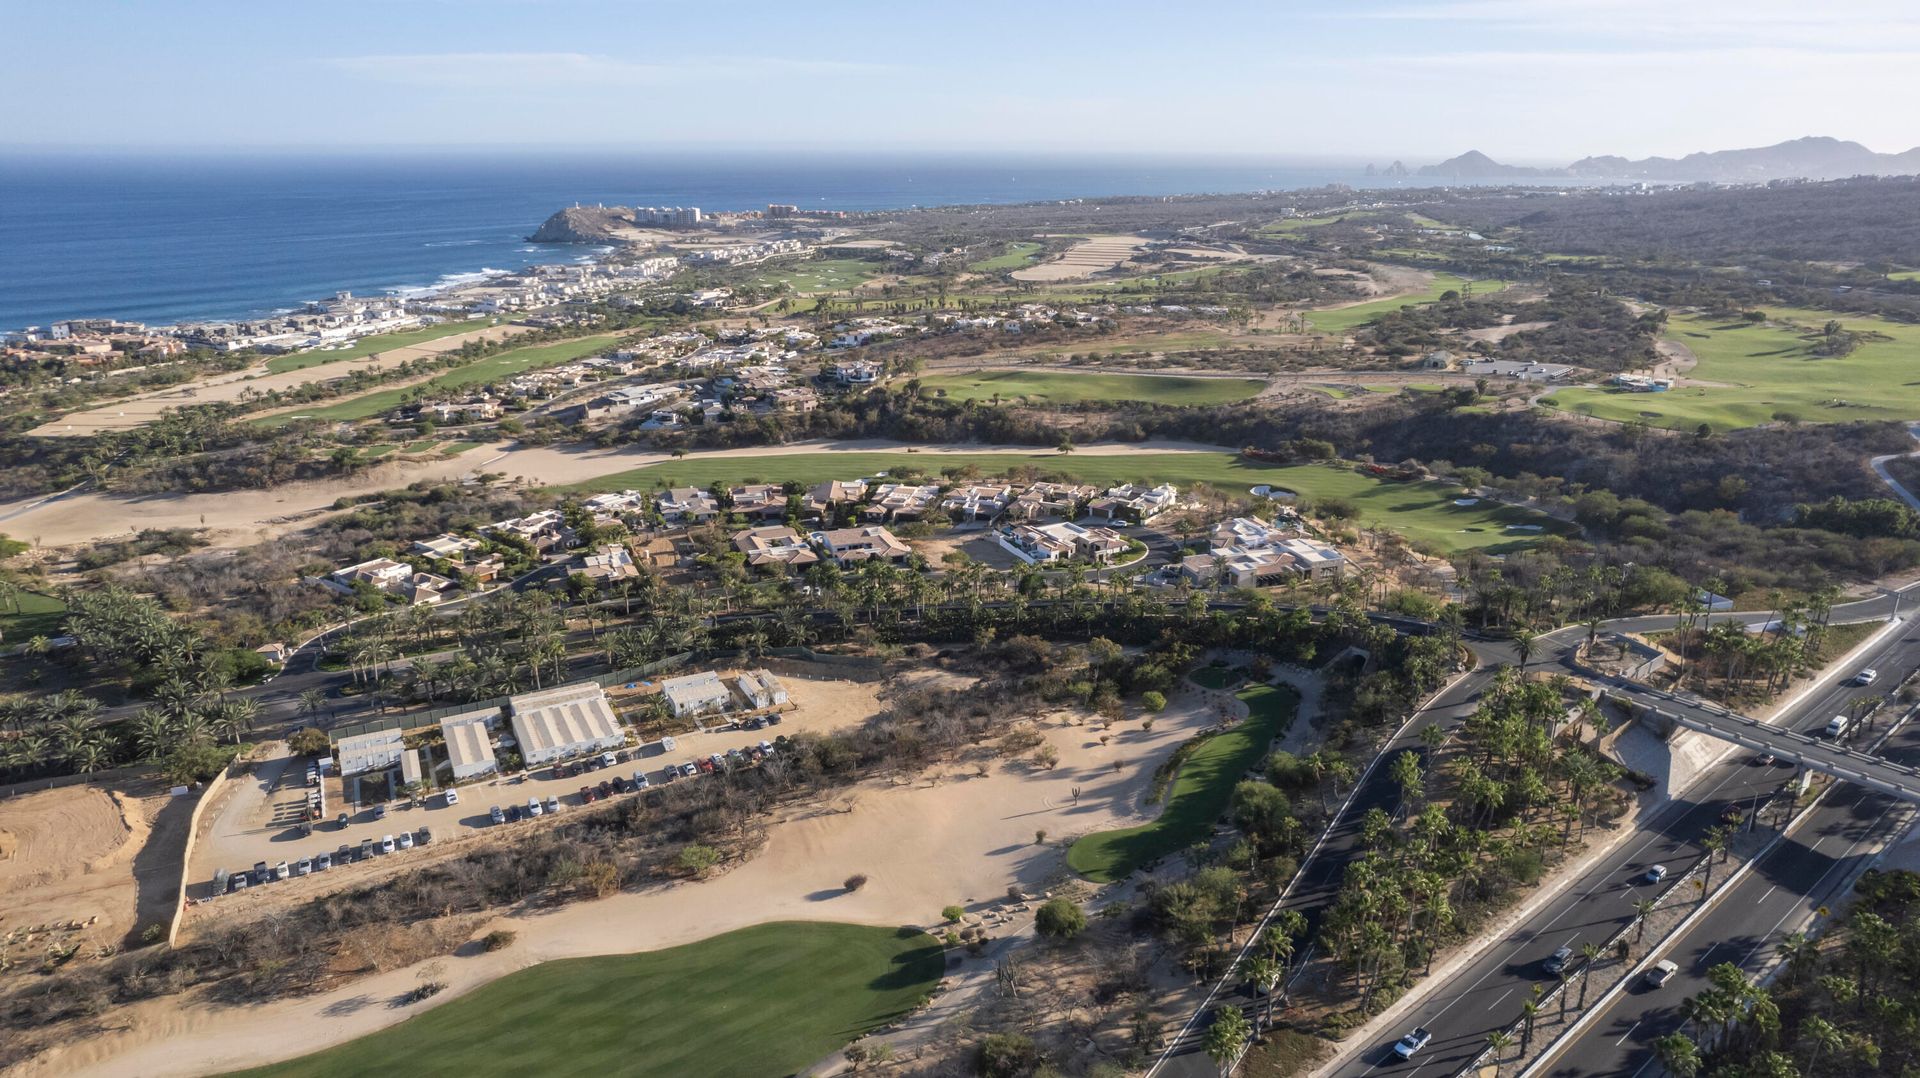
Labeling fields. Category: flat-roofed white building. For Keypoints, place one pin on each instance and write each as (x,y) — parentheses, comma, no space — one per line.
(470,743)
(570,720)
(696,694)
(374,751)
(409,767)
(761,689)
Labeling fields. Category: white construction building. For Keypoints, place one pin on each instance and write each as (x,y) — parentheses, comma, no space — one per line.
(571,720)
(470,743)
(696,694)
(375,751)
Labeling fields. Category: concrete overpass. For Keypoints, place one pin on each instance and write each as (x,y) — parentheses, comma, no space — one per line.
(1826,756)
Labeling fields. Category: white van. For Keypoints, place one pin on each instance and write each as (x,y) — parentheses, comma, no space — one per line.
(1838,725)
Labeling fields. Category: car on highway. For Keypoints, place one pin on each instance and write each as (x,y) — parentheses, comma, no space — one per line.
(1661,972)
(1556,963)
(1406,1046)
(1866,677)
(1766,759)
(1655,874)
(1837,726)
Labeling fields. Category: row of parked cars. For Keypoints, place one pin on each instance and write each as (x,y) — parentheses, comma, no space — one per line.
(263,873)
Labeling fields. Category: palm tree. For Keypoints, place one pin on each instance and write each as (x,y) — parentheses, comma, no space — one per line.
(1821,1036)
(1499,1040)
(313,702)
(152,732)
(1589,954)
(1678,1054)
(1265,973)
(1529,1013)
(1642,909)
(1227,1037)
(1523,643)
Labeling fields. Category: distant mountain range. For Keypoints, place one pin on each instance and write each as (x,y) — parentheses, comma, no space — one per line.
(1812,158)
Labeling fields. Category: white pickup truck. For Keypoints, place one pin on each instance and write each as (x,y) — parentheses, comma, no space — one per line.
(1406,1046)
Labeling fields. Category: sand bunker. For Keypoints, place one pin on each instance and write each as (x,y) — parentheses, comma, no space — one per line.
(949,835)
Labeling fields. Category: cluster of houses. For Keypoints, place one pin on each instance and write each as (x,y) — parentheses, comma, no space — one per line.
(1247,552)
(736,253)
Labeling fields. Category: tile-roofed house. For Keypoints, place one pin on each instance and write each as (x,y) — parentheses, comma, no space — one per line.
(976,502)
(687,505)
(1063,541)
(1051,500)
(609,563)
(774,545)
(900,501)
(1135,502)
(849,546)
(824,496)
(766,500)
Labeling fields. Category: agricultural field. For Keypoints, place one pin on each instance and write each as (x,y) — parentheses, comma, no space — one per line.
(501,365)
(1059,388)
(761,1002)
(372,345)
(1016,256)
(1347,319)
(1770,374)
(1424,512)
(1198,794)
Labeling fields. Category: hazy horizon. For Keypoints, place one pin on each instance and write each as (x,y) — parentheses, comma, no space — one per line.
(1366,82)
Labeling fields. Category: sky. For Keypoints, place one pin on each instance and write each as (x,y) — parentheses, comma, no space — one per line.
(1526,81)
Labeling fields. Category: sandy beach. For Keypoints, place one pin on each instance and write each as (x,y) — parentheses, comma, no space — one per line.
(949,835)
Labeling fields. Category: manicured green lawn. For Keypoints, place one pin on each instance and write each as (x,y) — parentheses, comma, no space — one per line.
(1214,677)
(1346,319)
(1063,388)
(1198,794)
(38,615)
(502,365)
(454,449)
(762,1002)
(818,275)
(1771,373)
(1423,512)
(1290,225)
(1016,256)
(370,345)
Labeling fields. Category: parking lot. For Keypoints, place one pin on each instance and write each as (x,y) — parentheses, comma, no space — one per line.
(263,820)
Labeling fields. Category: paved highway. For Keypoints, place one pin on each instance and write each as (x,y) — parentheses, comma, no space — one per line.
(1811,869)
(1487,995)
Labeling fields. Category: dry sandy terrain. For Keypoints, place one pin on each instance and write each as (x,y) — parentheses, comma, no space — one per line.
(134,411)
(948,836)
(246,516)
(106,859)
(1084,259)
(259,817)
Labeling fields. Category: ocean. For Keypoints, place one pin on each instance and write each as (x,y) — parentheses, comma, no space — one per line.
(165,240)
